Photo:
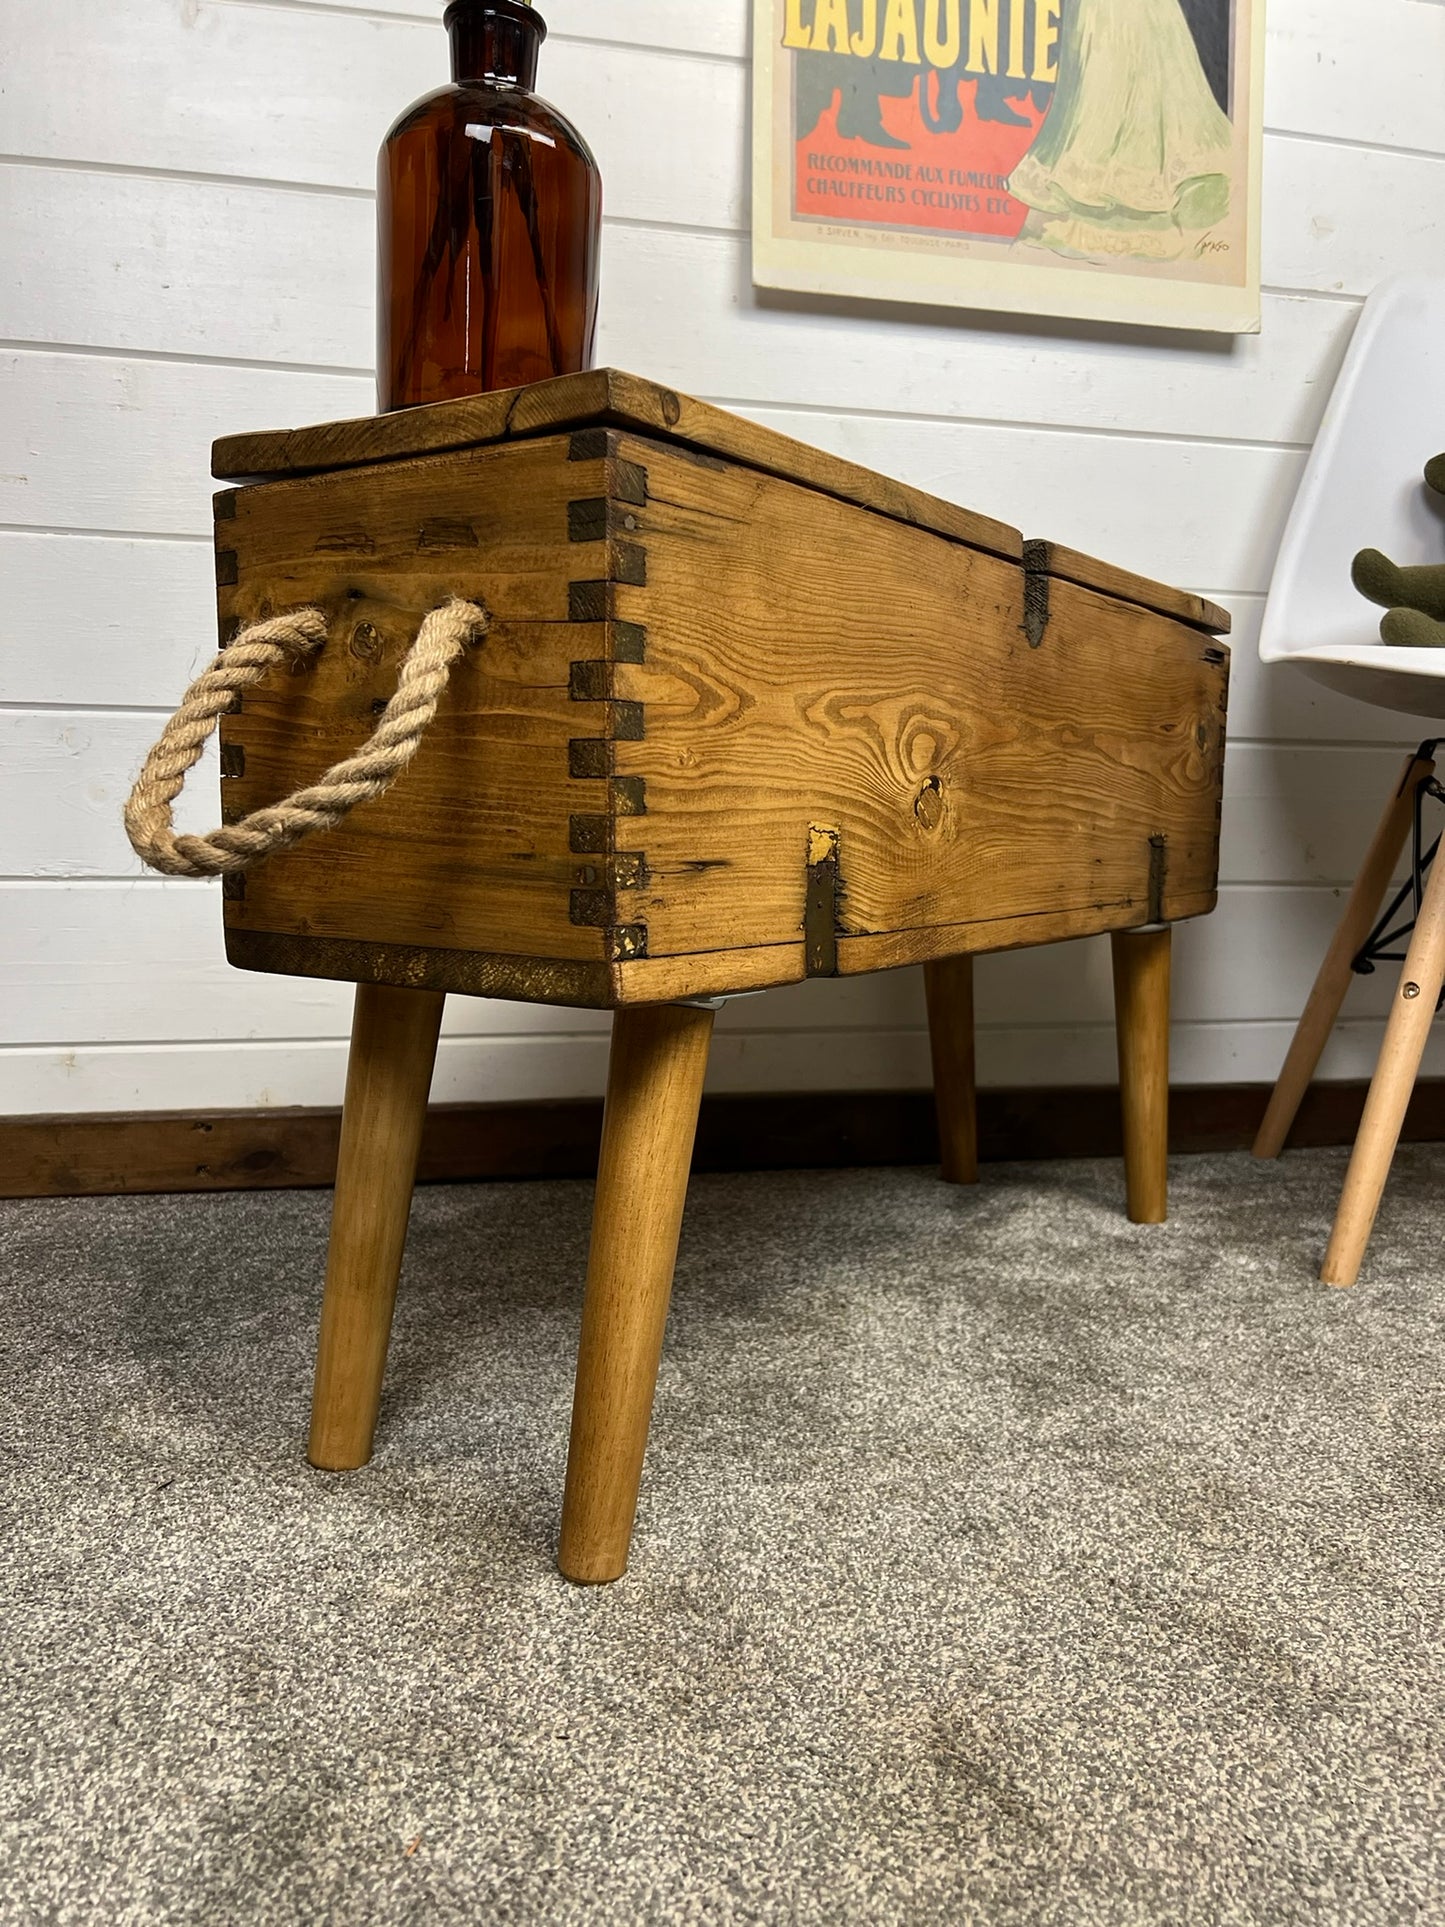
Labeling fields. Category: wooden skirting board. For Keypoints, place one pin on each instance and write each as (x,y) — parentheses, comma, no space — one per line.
(94,1155)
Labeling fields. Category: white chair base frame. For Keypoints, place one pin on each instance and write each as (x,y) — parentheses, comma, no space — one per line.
(1408,1028)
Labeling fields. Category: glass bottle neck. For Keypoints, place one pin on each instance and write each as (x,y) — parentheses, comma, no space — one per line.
(495,41)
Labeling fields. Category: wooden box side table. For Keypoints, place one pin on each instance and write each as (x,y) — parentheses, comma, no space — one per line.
(745,713)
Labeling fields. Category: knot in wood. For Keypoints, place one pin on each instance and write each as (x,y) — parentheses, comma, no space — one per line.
(928,805)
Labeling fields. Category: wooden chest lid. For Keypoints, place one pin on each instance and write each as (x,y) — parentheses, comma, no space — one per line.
(602,397)
(607,397)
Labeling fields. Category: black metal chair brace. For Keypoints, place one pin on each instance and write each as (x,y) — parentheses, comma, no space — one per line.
(1376,947)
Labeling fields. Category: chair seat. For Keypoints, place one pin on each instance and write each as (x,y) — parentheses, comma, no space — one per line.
(1362,488)
(1412,680)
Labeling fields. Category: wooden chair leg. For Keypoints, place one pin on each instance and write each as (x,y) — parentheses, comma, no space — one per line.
(1313,1030)
(1406,1034)
(1141,1021)
(654,1084)
(948,987)
(388,1075)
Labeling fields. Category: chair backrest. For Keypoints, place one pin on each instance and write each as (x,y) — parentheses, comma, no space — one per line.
(1362,486)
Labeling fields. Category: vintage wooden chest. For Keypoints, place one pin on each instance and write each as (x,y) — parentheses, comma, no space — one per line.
(747,712)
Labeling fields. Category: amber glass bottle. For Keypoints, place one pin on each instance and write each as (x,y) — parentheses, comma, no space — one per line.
(489,210)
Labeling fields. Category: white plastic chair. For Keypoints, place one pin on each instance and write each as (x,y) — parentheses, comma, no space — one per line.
(1362,488)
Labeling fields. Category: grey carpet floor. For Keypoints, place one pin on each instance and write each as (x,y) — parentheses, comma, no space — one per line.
(998,1561)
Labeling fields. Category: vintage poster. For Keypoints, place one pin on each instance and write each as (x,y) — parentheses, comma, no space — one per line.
(1088,158)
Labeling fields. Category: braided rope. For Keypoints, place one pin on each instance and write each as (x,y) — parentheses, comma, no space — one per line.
(443,636)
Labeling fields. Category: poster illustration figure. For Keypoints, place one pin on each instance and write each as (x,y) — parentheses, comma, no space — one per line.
(1097,158)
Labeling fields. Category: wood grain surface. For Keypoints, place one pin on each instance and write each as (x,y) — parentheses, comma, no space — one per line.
(469,852)
(696,671)
(866,676)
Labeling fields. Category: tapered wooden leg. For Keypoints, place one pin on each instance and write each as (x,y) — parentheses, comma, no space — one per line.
(1406,1034)
(1141,1021)
(388,1075)
(1313,1030)
(654,1084)
(948,987)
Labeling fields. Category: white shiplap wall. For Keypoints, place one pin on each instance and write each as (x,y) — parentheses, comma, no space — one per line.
(186,240)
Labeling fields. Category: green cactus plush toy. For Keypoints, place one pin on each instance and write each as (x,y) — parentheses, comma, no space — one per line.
(1414,597)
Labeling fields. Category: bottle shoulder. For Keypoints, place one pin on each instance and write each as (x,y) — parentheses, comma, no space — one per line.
(463,107)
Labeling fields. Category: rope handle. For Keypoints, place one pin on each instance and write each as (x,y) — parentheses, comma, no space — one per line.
(256,650)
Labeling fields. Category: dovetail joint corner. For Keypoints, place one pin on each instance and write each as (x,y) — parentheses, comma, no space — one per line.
(590,681)
(626,942)
(590,834)
(589,758)
(589,520)
(589,445)
(589,601)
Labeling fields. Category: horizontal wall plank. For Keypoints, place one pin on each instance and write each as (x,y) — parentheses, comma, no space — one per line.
(1291,815)
(1324,71)
(744,344)
(1301,815)
(149,619)
(92,442)
(232,266)
(493,1070)
(276,93)
(272,94)
(718,27)
(237,260)
(146,962)
(1333,219)
(89,963)
(301,94)
(233,270)
(721,27)
(1341,70)
(79,766)
(281,1072)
